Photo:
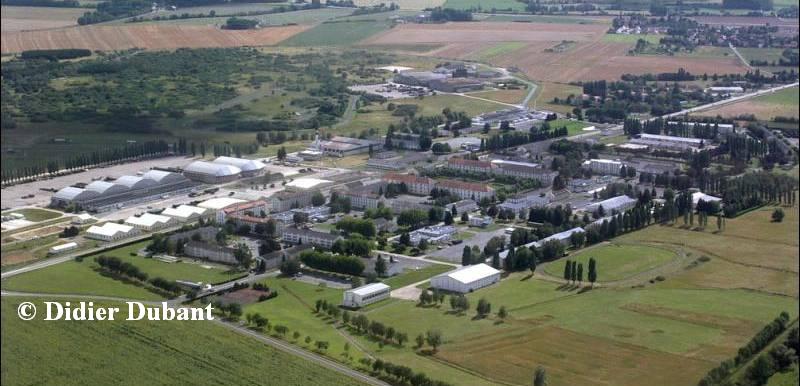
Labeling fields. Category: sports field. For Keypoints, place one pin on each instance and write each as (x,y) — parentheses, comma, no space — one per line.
(573,127)
(616,261)
(141,352)
(35,214)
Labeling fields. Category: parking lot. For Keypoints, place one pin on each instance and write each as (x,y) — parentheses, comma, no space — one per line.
(453,253)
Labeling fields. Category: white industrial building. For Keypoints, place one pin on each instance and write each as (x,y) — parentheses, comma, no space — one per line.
(613,204)
(110,231)
(150,222)
(63,248)
(248,167)
(103,195)
(466,279)
(217,204)
(345,146)
(603,166)
(668,142)
(211,173)
(82,218)
(185,213)
(364,295)
(435,234)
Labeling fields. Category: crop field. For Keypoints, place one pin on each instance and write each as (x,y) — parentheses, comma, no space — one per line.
(522,18)
(35,18)
(199,353)
(340,33)
(74,277)
(768,54)
(616,261)
(487,32)
(403,4)
(485,5)
(601,60)
(525,46)
(152,36)
(779,104)
(303,17)
(630,39)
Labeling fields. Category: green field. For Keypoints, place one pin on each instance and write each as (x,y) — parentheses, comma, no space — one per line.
(304,17)
(74,277)
(788,378)
(573,127)
(542,19)
(35,214)
(485,5)
(631,39)
(497,50)
(141,352)
(377,116)
(413,276)
(336,33)
(615,261)
(786,97)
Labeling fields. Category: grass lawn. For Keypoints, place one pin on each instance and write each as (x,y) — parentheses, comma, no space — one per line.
(543,19)
(293,308)
(73,277)
(573,127)
(546,92)
(485,5)
(337,33)
(497,50)
(413,276)
(616,261)
(199,353)
(378,117)
(36,214)
(788,378)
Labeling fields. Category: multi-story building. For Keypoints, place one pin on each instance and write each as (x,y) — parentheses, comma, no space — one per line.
(210,251)
(416,185)
(526,201)
(524,170)
(305,236)
(284,200)
(603,166)
(469,165)
(467,190)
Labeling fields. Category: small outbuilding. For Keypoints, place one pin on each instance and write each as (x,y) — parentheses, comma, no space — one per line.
(466,279)
(364,295)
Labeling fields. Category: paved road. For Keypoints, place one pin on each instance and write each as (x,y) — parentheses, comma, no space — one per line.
(418,258)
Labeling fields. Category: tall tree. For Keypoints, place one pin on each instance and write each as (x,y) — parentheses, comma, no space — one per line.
(540,377)
(592,275)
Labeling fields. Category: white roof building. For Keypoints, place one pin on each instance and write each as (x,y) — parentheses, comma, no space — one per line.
(364,295)
(697,196)
(82,218)
(618,203)
(306,183)
(110,231)
(63,247)
(466,279)
(185,213)
(149,221)
(247,166)
(219,202)
(211,172)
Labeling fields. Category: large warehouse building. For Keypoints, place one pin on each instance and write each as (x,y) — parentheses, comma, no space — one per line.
(211,172)
(100,196)
(466,279)
(248,167)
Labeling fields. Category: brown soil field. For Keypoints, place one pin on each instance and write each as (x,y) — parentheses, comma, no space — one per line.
(35,18)
(591,61)
(570,359)
(761,110)
(487,32)
(155,37)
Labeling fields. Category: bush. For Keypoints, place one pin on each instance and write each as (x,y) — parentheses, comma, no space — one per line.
(350,265)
